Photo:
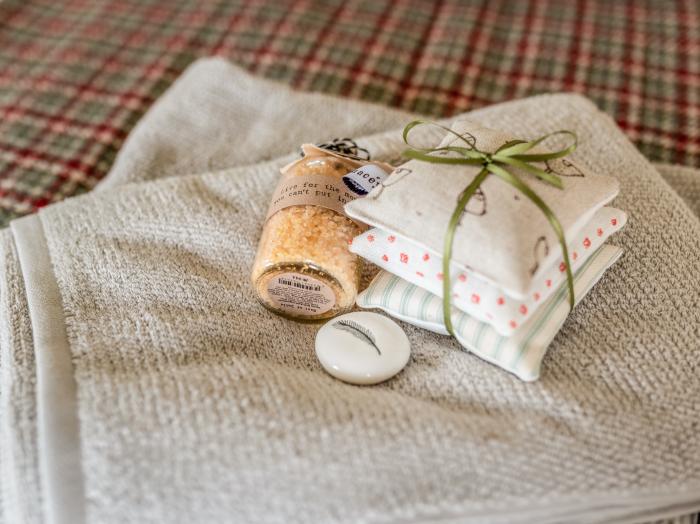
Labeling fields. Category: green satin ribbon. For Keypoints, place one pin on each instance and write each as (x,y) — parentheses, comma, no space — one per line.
(512,153)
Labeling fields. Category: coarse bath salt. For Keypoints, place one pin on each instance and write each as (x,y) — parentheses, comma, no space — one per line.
(303,269)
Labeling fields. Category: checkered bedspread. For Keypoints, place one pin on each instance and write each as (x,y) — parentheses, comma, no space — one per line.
(75,75)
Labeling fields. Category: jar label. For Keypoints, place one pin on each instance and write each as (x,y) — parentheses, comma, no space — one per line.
(364,179)
(326,191)
(300,294)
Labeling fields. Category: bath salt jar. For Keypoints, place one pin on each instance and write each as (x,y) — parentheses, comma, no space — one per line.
(303,269)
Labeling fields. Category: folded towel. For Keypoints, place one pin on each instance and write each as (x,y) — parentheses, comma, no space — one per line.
(19,461)
(195,404)
(228,119)
(480,299)
(685,181)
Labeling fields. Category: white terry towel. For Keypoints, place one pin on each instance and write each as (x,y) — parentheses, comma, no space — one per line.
(194,404)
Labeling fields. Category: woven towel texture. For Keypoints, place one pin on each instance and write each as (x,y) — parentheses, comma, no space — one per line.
(196,404)
(221,407)
(685,181)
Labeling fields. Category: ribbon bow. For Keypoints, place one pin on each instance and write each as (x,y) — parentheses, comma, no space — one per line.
(513,153)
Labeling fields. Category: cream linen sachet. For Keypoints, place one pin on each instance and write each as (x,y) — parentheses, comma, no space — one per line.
(503,237)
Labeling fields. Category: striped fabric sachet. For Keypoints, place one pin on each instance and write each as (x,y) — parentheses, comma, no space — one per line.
(522,353)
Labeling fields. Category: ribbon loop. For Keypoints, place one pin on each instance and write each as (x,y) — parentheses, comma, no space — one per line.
(514,153)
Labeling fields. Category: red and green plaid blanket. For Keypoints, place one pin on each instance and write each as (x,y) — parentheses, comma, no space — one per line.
(76,75)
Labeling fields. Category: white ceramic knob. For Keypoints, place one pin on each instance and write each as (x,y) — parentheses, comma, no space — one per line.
(362,348)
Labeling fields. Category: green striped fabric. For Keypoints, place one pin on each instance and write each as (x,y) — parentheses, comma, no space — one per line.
(521,353)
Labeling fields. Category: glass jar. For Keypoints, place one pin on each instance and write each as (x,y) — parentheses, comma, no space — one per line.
(303,269)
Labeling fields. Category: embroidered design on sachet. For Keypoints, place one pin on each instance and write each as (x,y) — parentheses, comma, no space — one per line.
(541,251)
(467,137)
(396,176)
(476,206)
(563,167)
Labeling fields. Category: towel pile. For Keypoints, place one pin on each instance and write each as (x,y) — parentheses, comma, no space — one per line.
(509,273)
(141,381)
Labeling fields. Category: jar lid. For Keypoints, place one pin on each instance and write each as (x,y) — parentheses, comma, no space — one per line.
(362,348)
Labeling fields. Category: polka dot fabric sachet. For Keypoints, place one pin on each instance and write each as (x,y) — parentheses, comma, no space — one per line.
(472,294)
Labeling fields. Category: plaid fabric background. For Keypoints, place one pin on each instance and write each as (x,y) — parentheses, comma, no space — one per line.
(75,75)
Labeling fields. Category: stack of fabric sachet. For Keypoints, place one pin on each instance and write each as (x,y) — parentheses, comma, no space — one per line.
(509,279)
